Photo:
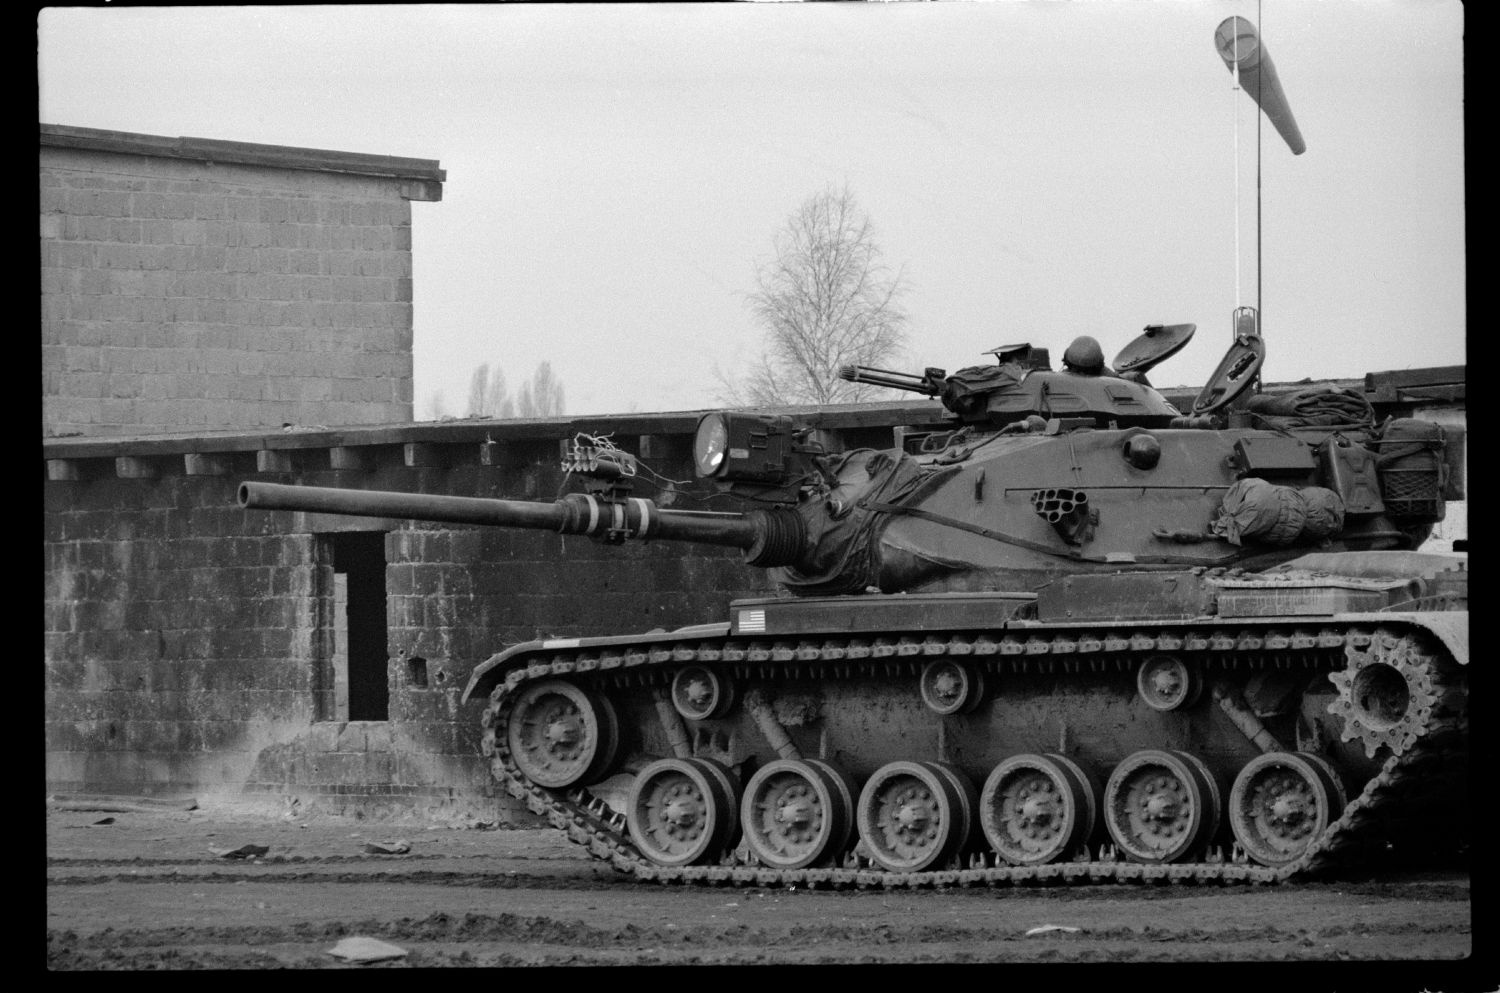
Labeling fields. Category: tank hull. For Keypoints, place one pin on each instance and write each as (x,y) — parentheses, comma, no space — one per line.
(852,687)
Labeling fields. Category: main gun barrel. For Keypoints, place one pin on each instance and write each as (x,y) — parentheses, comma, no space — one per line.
(767,538)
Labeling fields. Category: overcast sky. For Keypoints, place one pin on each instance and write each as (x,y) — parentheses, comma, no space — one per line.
(1038,169)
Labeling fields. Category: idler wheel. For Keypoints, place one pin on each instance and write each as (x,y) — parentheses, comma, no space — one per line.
(796,813)
(1386,694)
(699,693)
(911,815)
(950,687)
(1159,806)
(1166,683)
(1281,803)
(1036,808)
(681,811)
(560,734)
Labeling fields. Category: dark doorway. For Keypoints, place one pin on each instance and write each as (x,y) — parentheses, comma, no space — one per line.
(359,609)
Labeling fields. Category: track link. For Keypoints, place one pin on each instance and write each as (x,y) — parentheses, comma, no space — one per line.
(1422,787)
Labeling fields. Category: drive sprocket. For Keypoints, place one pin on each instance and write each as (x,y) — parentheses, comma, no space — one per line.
(1386,692)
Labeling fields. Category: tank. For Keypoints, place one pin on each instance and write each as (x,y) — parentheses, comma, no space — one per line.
(1070,634)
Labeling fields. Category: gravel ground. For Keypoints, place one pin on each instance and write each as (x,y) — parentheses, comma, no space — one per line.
(152,889)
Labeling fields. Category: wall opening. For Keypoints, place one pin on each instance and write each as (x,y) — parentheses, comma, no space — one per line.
(416,671)
(353,675)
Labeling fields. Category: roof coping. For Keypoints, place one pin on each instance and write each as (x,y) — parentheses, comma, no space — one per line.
(242,153)
(467,430)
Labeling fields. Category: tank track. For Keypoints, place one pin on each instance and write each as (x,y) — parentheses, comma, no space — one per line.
(1412,792)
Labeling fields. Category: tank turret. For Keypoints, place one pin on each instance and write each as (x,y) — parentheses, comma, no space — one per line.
(1021,384)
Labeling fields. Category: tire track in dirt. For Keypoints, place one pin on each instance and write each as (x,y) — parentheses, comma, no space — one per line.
(504,938)
(520,905)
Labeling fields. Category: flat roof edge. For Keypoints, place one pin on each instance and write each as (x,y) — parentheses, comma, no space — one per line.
(466,430)
(242,153)
(460,431)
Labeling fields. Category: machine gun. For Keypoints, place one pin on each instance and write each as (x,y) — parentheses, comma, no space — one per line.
(930,383)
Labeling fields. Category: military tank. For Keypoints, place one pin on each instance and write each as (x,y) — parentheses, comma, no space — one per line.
(1068,634)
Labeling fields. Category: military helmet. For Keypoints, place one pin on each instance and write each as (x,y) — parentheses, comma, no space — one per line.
(1084,355)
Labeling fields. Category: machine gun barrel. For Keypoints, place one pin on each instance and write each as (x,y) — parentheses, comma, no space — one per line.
(908,381)
(768,538)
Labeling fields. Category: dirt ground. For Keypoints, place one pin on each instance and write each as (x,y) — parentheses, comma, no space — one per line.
(150,890)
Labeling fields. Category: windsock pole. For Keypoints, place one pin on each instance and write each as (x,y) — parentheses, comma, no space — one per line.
(1240,47)
(1235,69)
(1260,16)
(1255,387)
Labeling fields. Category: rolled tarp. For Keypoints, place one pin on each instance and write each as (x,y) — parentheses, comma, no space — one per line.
(1262,512)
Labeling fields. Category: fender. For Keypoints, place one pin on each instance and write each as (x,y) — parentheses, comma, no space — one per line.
(492,671)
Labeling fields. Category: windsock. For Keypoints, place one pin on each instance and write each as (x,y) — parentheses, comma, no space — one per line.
(1239,45)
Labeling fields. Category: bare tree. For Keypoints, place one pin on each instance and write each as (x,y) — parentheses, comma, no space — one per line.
(542,396)
(477,382)
(497,399)
(488,396)
(825,300)
(436,407)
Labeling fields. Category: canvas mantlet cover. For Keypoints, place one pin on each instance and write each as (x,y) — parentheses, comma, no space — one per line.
(843,532)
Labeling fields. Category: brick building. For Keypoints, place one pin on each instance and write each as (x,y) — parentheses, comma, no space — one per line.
(191,285)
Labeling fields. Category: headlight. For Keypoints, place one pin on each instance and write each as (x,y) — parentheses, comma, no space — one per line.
(743,448)
(710,444)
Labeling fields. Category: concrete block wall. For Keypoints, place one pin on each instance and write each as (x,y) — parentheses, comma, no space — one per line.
(175,642)
(182,293)
(184,634)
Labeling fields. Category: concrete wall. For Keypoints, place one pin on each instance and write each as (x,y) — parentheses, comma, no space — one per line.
(190,285)
(161,620)
(190,645)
